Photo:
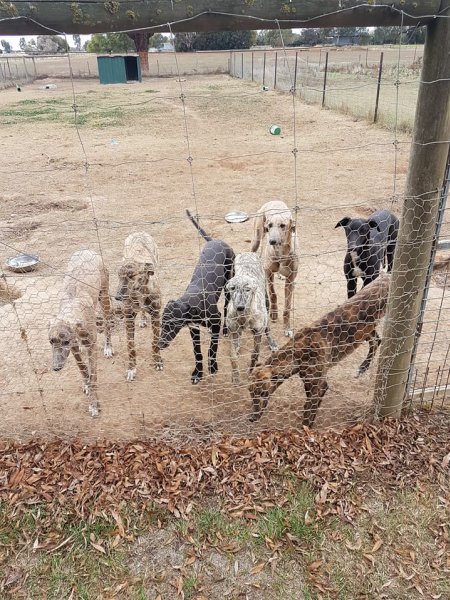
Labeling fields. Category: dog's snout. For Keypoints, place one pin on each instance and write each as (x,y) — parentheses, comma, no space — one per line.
(273,242)
(57,367)
(240,308)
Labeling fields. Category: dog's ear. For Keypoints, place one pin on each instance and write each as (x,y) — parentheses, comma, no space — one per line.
(343,222)
(374,225)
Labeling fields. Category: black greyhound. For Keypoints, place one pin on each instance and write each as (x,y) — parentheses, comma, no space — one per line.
(198,305)
(370,243)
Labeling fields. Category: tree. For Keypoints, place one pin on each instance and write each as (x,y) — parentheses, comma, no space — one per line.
(111,42)
(6,46)
(216,40)
(77,41)
(313,36)
(157,40)
(141,40)
(272,37)
(184,42)
(51,44)
(22,44)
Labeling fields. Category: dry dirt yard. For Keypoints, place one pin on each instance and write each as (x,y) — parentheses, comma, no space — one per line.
(127,170)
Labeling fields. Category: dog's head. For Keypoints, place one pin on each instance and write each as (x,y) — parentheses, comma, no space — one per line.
(62,338)
(357,232)
(133,280)
(279,227)
(242,290)
(261,386)
(173,319)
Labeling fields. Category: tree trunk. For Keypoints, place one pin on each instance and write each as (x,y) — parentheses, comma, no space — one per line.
(141,41)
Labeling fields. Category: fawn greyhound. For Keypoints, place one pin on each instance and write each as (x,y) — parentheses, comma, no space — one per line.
(86,282)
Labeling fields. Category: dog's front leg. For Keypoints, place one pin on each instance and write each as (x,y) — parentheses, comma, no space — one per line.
(272,297)
(83,368)
(288,291)
(374,342)
(212,352)
(156,330)
(130,322)
(94,408)
(197,373)
(257,337)
(108,315)
(234,356)
(315,388)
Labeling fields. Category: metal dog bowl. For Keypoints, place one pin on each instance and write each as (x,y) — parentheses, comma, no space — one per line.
(236,217)
(22,263)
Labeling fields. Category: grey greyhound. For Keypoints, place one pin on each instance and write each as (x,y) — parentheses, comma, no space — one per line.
(198,305)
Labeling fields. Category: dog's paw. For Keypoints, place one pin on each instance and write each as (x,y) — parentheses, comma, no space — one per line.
(289,333)
(86,389)
(235,379)
(94,409)
(143,323)
(273,347)
(159,365)
(274,315)
(108,350)
(213,368)
(254,417)
(131,374)
(360,372)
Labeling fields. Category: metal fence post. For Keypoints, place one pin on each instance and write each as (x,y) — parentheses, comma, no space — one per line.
(275,72)
(295,72)
(264,69)
(380,69)
(253,57)
(325,79)
(367,56)
(242,65)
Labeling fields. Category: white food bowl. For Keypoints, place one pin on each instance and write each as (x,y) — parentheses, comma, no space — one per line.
(236,217)
(22,263)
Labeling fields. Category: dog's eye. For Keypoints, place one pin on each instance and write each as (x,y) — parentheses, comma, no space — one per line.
(65,342)
(283,226)
(269,225)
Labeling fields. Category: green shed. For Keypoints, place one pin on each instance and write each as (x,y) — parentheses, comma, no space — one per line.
(119,69)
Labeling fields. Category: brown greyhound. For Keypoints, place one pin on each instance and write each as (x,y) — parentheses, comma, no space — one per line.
(316,348)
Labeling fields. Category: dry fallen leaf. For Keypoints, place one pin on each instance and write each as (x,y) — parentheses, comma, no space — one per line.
(257,568)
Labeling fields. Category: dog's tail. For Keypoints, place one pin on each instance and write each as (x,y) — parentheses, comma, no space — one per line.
(202,232)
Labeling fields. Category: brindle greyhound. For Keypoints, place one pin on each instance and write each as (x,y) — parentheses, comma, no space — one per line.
(316,348)
(198,305)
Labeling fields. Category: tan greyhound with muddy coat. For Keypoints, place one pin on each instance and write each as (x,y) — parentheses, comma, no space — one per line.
(86,282)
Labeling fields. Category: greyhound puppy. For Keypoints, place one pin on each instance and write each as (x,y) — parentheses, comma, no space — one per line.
(139,291)
(198,305)
(280,253)
(370,246)
(247,308)
(316,348)
(86,282)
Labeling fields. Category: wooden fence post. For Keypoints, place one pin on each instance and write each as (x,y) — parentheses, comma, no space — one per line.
(253,59)
(242,65)
(418,223)
(325,79)
(380,70)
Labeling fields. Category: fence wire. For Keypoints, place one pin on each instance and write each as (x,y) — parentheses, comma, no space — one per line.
(131,163)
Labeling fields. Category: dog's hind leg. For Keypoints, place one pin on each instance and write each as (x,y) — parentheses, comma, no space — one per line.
(105,303)
(271,340)
(197,373)
(234,356)
(374,342)
(130,323)
(156,330)
(143,320)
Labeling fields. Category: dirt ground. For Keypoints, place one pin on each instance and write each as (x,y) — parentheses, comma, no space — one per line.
(138,178)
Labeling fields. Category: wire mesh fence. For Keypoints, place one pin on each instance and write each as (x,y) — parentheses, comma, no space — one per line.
(341,79)
(127,161)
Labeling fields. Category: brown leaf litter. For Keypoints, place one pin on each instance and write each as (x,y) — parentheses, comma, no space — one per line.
(246,474)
